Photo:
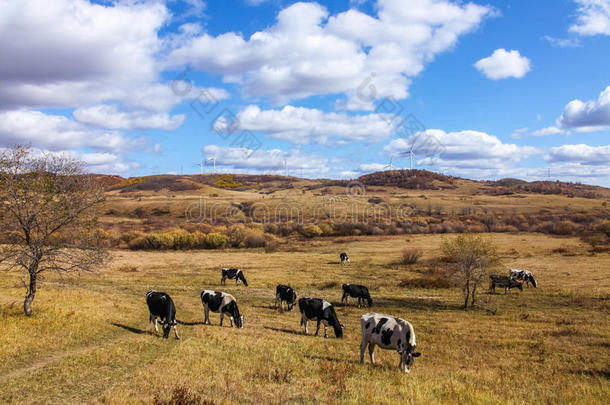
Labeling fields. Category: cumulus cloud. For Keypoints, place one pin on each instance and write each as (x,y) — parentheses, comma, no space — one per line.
(463,149)
(581,154)
(587,115)
(302,125)
(309,52)
(371,167)
(503,64)
(56,132)
(267,160)
(75,52)
(593,17)
(109,116)
(552,130)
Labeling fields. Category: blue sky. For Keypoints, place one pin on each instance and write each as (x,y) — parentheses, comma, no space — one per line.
(497,89)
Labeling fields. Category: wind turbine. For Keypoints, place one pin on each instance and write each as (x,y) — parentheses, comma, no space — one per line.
(285,162)
(389,166)
(200,164)
(213,159)
(411,154)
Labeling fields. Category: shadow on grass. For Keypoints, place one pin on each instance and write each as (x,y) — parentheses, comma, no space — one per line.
(189,323)
(291,331)
(417,303)
(605,373)
(333,262)
(328,358)
(130,328)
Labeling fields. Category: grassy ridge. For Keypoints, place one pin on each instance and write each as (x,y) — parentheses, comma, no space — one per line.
(88,339)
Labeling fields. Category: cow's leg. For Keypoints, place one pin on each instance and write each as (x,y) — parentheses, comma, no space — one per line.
(277,297)
(318,327)
(222,315)
(231,320)
(207,315)
(359,302)
(325,331)
(176,330)
(362,348)
(372,352)
(223,280)
(344,298)
(305,322)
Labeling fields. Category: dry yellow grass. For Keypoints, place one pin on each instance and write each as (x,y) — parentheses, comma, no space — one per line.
(89,340)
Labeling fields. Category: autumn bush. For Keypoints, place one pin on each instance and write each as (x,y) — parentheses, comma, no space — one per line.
(410,255)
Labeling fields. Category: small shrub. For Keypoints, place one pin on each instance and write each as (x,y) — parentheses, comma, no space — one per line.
(564,228)
(182,395)
(215,240)
(410,256)
(254,239)
(311,231)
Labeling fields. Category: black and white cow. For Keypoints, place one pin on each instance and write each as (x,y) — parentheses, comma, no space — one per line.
(322,311)
(390,333)
(503,281)
(356,291)
(524,275)
(221,302)
(344,258)
(236,274)
(161,305)
(284,293)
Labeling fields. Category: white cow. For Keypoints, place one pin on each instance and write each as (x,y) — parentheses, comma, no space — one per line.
(388,332)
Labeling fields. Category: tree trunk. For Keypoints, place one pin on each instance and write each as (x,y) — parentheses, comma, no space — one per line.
(31,292)
(467,289)
(474,291)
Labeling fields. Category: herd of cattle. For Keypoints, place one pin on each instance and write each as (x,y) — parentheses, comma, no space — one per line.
(385,331)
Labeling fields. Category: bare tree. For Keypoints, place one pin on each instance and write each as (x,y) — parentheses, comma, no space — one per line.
(48,216)
(472,256)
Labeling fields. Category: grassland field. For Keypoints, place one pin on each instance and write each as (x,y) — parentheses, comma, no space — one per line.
(89,340)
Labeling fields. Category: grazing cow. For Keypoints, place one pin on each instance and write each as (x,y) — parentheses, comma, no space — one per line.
(344,258)
(356,291)
(236,274)
(524,275)
(161,305)
(322,311)
(503,281)
(391,333)
(221,302)
(285,293)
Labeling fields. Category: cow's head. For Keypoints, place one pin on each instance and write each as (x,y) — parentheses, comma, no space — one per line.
(293,301)
(370,301)
(338,331)
(242,278)
(239,321)
(533,281)
(166,327)
(408,355)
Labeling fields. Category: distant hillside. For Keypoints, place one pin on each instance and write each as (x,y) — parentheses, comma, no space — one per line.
(410,179)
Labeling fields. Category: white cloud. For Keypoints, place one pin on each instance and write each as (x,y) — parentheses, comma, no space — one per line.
(371,167)
(562,42)
(581,154)
(503,64)
(109,116)
(593,17)
(302,125)
(463,149)
(552,130)
(587,116)
(56,132)
(66,53)
(309,52)
(267,160)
